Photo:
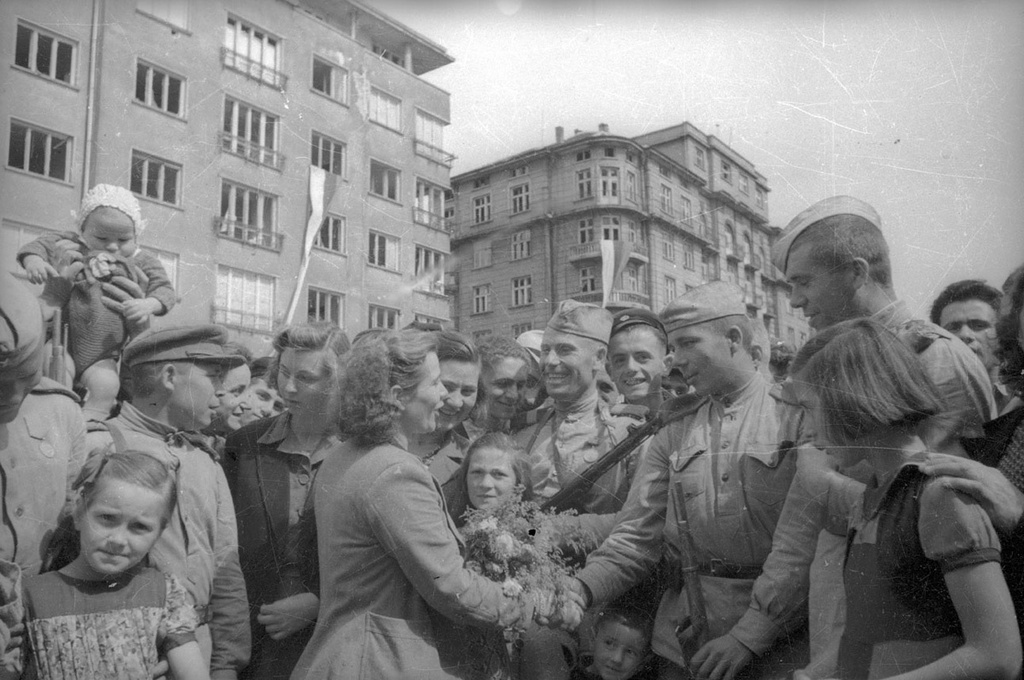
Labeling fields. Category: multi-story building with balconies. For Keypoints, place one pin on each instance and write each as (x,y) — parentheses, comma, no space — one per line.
(237,123)
(619,221)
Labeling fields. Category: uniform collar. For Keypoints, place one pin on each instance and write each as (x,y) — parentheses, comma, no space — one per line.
(139,421)
(733,399)
(588,404)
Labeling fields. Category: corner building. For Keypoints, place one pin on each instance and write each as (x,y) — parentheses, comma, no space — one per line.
(680,208)
(234,122)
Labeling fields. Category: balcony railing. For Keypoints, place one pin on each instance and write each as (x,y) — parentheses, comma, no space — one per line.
(237,318)
(237,61)
(616,296)
(238,231)
(251,151)
(586,251)
(430,219)
(433,153)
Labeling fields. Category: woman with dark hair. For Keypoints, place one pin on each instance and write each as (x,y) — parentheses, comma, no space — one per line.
(270,465)
(924,591)
(493,467)
(443,448)
(395,596)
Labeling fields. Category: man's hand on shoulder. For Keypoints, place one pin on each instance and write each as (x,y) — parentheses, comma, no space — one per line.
(1003,502)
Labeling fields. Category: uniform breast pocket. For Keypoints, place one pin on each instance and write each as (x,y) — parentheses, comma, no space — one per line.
(766,487)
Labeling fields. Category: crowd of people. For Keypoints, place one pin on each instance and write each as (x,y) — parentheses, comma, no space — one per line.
(852,508)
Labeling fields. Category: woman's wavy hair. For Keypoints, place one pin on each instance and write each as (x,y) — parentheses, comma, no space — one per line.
(1011,354)
(368,409)
(313,337)
(866,380)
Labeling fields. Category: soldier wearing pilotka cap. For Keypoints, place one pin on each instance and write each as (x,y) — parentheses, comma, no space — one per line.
(173,378)
(579,429)
(734,480)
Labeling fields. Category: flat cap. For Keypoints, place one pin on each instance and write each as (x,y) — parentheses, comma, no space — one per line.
(21,321)
(182,343)
(636,316)
(711,301)
(582,319)
(827,207)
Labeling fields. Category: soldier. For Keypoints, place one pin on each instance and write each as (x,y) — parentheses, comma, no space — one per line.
(579,429)
(636,357)
(42,448)
(733,479)
(174,377)
(836,259)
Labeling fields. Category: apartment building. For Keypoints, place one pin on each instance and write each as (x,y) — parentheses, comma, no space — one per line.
(248,129)
(613,220)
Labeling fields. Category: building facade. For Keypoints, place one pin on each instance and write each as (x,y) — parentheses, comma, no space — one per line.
(620,221)
(245,127)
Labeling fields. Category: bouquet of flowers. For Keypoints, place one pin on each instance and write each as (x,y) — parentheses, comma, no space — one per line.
(518,545)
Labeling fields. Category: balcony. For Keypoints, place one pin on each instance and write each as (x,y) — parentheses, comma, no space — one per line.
(433,153)
(753,263)
(242,320)
(237,61)
(251,151)
(255,236)
(710,236)
(592,250)
(737,253)
(430,219)
(616,296)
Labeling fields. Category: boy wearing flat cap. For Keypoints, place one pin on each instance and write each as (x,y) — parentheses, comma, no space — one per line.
(725,454)
(579,429)
(173,378)
(42,448)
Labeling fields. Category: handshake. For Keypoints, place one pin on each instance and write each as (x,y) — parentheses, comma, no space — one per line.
(562,608)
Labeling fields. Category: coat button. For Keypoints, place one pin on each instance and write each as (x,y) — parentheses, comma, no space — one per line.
(19,512)
(725,477)
(303,478)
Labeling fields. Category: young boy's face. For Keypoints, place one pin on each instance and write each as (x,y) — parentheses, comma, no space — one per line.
(109,230)
(618,651)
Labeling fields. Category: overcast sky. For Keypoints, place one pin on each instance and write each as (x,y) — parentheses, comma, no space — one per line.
(916,107)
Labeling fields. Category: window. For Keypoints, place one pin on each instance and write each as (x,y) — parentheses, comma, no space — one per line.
(760,196)
(38,151)
(481,182)
(610,182)
(159,90)
(428,320)
(688,259)
(587,230)
(583,156)
(522,291)
(248,215)
(481,254)
(744,184)
(391,55)
(685,208)
(629,157)
(630,186)
(520,328)
(385,109)
(668,250)
(244,300)
(384,181)
(329,154)
(518,172)
(670,288)
(610,228)
(482,209)
(322,305)
(634,234)
(429,208)
(631,278)
(520,198)
(429,270)
(727,172)
(251,133)
(584,183)
(482,298)
(665,171)
(666,200)
(382,251)
(698,157)
(588,281)
(430,139)
(155,178)
(332,233)
(383,317)
(45,53)
(254,52)
(173,12)
(521,244)
(330,80)
(609,152)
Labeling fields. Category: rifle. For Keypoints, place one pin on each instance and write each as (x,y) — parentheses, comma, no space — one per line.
(573,494)
(692,631)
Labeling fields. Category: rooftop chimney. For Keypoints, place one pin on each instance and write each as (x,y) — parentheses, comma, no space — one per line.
(559,134)
(602,127)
